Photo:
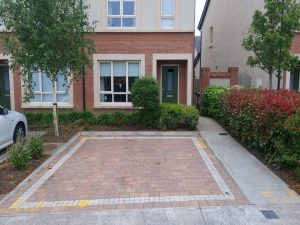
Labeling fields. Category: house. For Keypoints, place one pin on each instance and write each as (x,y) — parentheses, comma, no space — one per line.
(223,25)
(197,67)
(133,38)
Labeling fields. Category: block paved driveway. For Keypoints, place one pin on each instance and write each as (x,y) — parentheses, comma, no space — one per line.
(108,173)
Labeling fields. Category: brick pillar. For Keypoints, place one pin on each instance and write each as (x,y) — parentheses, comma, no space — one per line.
(234,75)
(204,78)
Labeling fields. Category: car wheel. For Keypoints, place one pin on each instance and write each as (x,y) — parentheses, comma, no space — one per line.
(19,131)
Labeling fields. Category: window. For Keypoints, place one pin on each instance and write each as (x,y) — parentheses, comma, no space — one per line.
(211,33)
(121,13)
(295,80)
(167,13)
(42,87)
(116,79)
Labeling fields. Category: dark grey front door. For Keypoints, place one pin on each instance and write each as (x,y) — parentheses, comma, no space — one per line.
(170,84)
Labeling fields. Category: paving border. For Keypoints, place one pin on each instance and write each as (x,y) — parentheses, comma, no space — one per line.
(194,136)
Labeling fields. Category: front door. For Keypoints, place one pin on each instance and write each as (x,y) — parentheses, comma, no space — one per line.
(4,87)
(170,84)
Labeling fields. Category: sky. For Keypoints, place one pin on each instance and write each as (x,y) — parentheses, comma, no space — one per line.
(199,8)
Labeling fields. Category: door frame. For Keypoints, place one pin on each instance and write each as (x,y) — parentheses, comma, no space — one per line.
(161,74)
(11,81)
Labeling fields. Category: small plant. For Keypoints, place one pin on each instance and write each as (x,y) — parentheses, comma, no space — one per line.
(19,154)
(105,119)
(211,100)
(174,116)
(36,147)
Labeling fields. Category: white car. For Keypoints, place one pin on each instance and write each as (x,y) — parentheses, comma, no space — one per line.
(12,124)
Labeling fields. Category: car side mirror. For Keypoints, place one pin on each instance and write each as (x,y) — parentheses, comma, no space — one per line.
(3,111)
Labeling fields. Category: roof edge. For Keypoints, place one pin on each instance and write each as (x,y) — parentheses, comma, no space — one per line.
(203,14)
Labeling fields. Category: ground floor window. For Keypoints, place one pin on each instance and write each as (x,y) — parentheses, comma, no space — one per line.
(116,79)
(42,87)
(295,80)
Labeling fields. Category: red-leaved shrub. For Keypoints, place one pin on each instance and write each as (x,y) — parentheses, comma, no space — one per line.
(266,120)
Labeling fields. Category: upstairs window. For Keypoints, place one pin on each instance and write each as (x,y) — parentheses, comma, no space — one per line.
(121,13)
(167,14)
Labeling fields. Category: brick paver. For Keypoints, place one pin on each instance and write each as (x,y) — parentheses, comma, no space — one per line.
(129,173)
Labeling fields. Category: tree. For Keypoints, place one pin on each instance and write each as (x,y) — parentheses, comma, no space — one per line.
(270,37)
(49,36)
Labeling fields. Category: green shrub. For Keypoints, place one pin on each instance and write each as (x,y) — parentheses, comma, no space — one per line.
(119,119)
(211,100)
(105,119)
(190,118)
(133,119)
(19,154)
(174,116)
(36,147)
(263,119)
(145,93)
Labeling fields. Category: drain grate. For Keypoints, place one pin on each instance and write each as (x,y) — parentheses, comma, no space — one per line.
(223,134)
(269,214)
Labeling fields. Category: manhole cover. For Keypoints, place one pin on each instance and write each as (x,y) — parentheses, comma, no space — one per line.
(269,214)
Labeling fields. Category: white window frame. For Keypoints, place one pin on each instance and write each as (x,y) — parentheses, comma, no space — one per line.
(112,92)
(121,16)
(97,58)
(167,16)
(41,104)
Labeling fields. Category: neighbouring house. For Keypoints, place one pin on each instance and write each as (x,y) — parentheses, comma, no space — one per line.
(223,25)
(197,65)
(133,38)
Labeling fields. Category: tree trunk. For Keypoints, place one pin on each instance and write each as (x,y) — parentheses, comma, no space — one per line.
(271,80)
(55,120)
(279,80)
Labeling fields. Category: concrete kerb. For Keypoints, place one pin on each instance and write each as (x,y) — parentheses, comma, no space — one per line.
(44,165)
(64,147)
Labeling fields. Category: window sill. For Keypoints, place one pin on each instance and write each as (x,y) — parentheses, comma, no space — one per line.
(115,106)
(45,106)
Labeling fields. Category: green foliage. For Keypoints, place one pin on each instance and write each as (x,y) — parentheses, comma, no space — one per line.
(270,37)
(105,119)
(175,116)
(133,119)
(36,147)
(145,93)
(48,35)
(86,117)
(211,100)
(19,154)
(265,120)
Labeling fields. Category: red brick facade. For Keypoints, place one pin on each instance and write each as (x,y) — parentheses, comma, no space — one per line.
(206,75)
(129,43)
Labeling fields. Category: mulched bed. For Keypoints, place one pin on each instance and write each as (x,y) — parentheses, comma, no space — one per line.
(11,177)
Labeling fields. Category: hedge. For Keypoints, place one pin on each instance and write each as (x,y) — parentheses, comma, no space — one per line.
(165,117)
(263,119)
